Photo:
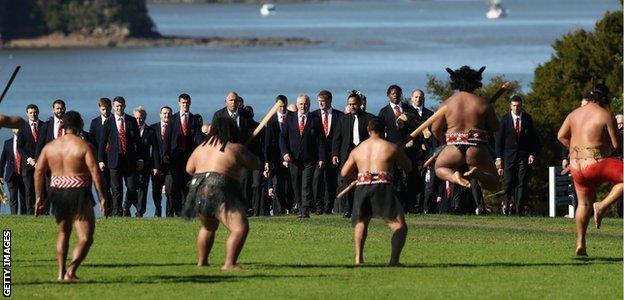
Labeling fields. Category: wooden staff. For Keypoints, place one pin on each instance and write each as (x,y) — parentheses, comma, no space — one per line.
(6,88)
(500,91)
(438,114)
(265,120)
(346,190)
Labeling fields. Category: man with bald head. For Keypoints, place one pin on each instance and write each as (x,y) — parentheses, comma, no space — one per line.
(303,147)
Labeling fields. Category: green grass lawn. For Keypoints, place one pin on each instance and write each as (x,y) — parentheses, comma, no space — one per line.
(284,258)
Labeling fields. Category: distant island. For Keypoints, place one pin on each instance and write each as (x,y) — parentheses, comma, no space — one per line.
(101,23)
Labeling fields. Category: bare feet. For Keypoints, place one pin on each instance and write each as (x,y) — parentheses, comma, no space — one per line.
(70,278)
(202,264)
(396,264)
(597,214)
(459,179)
(359,261)
(231,268)
(61,276)
(581,251)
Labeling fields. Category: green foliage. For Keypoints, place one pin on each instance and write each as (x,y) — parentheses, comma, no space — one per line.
(106,17)
(580,58)
(285,258)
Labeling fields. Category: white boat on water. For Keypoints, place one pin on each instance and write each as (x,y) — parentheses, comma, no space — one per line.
(267,9)
(496,10)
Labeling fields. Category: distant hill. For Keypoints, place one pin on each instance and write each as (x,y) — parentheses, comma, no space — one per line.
(33,18)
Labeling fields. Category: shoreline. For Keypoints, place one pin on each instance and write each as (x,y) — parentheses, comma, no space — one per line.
(56,40)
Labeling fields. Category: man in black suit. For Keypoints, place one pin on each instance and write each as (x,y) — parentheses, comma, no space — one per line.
(326,179)
(148,162)
(163,176)
(11,159)
(423,199)
(517,144)
(350,131)
(27,140)
(389,113)
(303,147)
(279,179)
(246,124)
(95,129)
(184,135)
(53,127)
(118,151)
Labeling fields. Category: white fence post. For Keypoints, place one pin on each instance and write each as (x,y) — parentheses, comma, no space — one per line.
(552,188)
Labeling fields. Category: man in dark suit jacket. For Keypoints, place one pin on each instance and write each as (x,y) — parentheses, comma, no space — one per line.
(350,131)
(303,147)
(326,179)
(148,160)
(118,149)
(423,199)
(27,140)
(389,113)
(279,175)
(11,159)
(95,129)
(517,144)
(53,127)
(246,125)
(163,177)
(184,135)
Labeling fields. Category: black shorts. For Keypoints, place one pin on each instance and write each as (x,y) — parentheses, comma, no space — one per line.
(68,202)
(375,200)
(209,191)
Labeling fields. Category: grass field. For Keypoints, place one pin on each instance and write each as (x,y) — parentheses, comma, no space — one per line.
(445,256)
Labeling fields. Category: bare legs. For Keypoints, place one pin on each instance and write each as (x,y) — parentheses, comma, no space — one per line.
(205,239)
(238,226)
(399,234)
(612,197)
(360,234)
(479,161)
(85,226)
(582,219)
(64,229)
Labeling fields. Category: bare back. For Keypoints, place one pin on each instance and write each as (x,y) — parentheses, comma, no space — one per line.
(376,154)
(591,131)
(466,111)
(208,157)
(67,156)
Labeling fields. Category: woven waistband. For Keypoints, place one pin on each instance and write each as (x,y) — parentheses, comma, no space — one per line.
(76,181)
(373,177)
(471,138)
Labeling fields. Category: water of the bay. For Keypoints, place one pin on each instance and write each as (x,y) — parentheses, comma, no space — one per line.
(365,45)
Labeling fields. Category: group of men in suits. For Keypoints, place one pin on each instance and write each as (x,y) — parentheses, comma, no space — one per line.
(302,152)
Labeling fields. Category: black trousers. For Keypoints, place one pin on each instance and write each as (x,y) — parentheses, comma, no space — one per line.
(28,179)
(127,173)
(106,181)
(325,185)
(418,187)
(517,182)
(282,187)
(179,187)
(302,176)
(432,186)
(158,181)
(143,178)
(17,195)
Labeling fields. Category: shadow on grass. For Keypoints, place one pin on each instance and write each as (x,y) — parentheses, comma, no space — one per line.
(159,279)
(588,261)
(136,265)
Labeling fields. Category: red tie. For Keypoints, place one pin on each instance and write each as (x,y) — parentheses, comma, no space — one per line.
(517,126)
(301,124)
(184,125)
(325,124)
(449,190)
(59,132)
(35,132)
(163,130)
(122,136)
(397,111)
(18,162)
